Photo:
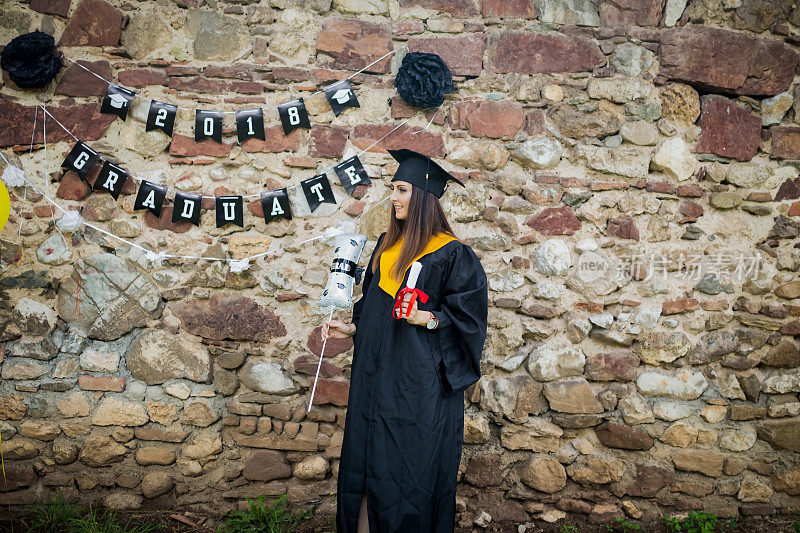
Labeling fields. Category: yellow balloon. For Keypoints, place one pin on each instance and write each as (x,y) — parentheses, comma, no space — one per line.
(5,205)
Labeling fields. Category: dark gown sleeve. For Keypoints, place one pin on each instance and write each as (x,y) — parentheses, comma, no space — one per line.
(359,305)
(462,320)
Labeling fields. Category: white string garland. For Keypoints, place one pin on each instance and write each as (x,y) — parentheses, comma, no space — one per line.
(157,258)
(359,154)
(136,95)
(71,220)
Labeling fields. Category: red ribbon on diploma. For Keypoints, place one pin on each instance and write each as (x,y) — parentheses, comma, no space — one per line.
(398,302)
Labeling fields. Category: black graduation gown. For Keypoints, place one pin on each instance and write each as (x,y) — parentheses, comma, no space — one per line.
(405,415)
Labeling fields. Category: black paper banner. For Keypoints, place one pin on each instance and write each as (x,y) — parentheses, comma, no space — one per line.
(207,125)
(351,173)
(275,205)
(151,197)
(187,207)
(250,123)
(161,116)
(293,115)
(112,178)
(81,159)
(318,190)
(340,96)
(117,101)
(230,209)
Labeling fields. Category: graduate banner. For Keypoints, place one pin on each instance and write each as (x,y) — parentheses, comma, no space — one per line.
(187,207)
(152,197)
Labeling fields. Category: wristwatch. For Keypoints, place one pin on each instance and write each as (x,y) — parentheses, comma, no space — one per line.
(433,322)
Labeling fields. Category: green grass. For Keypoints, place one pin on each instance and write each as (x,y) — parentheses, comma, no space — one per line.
(61,514)
(699,522)
(620,524)
(260,518)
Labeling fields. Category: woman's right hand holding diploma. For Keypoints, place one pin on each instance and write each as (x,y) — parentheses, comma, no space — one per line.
(338,329)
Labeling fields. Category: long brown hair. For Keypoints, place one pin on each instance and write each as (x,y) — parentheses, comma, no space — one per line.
(415,239)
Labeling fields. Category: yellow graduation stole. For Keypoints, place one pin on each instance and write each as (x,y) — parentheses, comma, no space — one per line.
(390,255)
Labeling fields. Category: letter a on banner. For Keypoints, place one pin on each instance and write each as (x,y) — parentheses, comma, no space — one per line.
(317,191)
(161,117)
(275,205)
(351,173)
(207,125)
(81,159)
(151,197)
(111,179)
(187,207)
(230,209)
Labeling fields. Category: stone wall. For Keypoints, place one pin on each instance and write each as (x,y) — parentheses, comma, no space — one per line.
(633,194)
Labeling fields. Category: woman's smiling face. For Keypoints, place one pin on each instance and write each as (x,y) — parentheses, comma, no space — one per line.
(400,198)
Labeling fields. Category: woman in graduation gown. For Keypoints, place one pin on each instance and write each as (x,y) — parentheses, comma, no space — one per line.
(404,429)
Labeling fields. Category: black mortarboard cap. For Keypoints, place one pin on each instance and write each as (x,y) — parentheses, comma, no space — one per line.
(422,171)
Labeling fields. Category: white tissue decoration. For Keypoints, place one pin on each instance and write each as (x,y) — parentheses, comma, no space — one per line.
(239,265)
(344,227)
(70,222)
(156,259)
(13,176)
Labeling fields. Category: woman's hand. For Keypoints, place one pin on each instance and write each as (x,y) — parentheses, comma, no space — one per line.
(337,329)
(416,317)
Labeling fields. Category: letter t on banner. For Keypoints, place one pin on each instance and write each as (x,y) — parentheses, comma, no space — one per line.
(351,173)
(317,191)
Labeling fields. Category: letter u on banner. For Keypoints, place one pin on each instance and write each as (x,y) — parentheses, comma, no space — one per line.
(230,210)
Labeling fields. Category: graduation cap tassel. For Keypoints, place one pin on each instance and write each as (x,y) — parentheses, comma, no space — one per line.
(321,355)
(424,200)
(425,195)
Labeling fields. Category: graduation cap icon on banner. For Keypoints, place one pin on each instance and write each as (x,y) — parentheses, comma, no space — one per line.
(117,101)
(341,96)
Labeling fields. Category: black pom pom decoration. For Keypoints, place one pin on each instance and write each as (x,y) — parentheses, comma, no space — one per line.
(31,60)
(423,80)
